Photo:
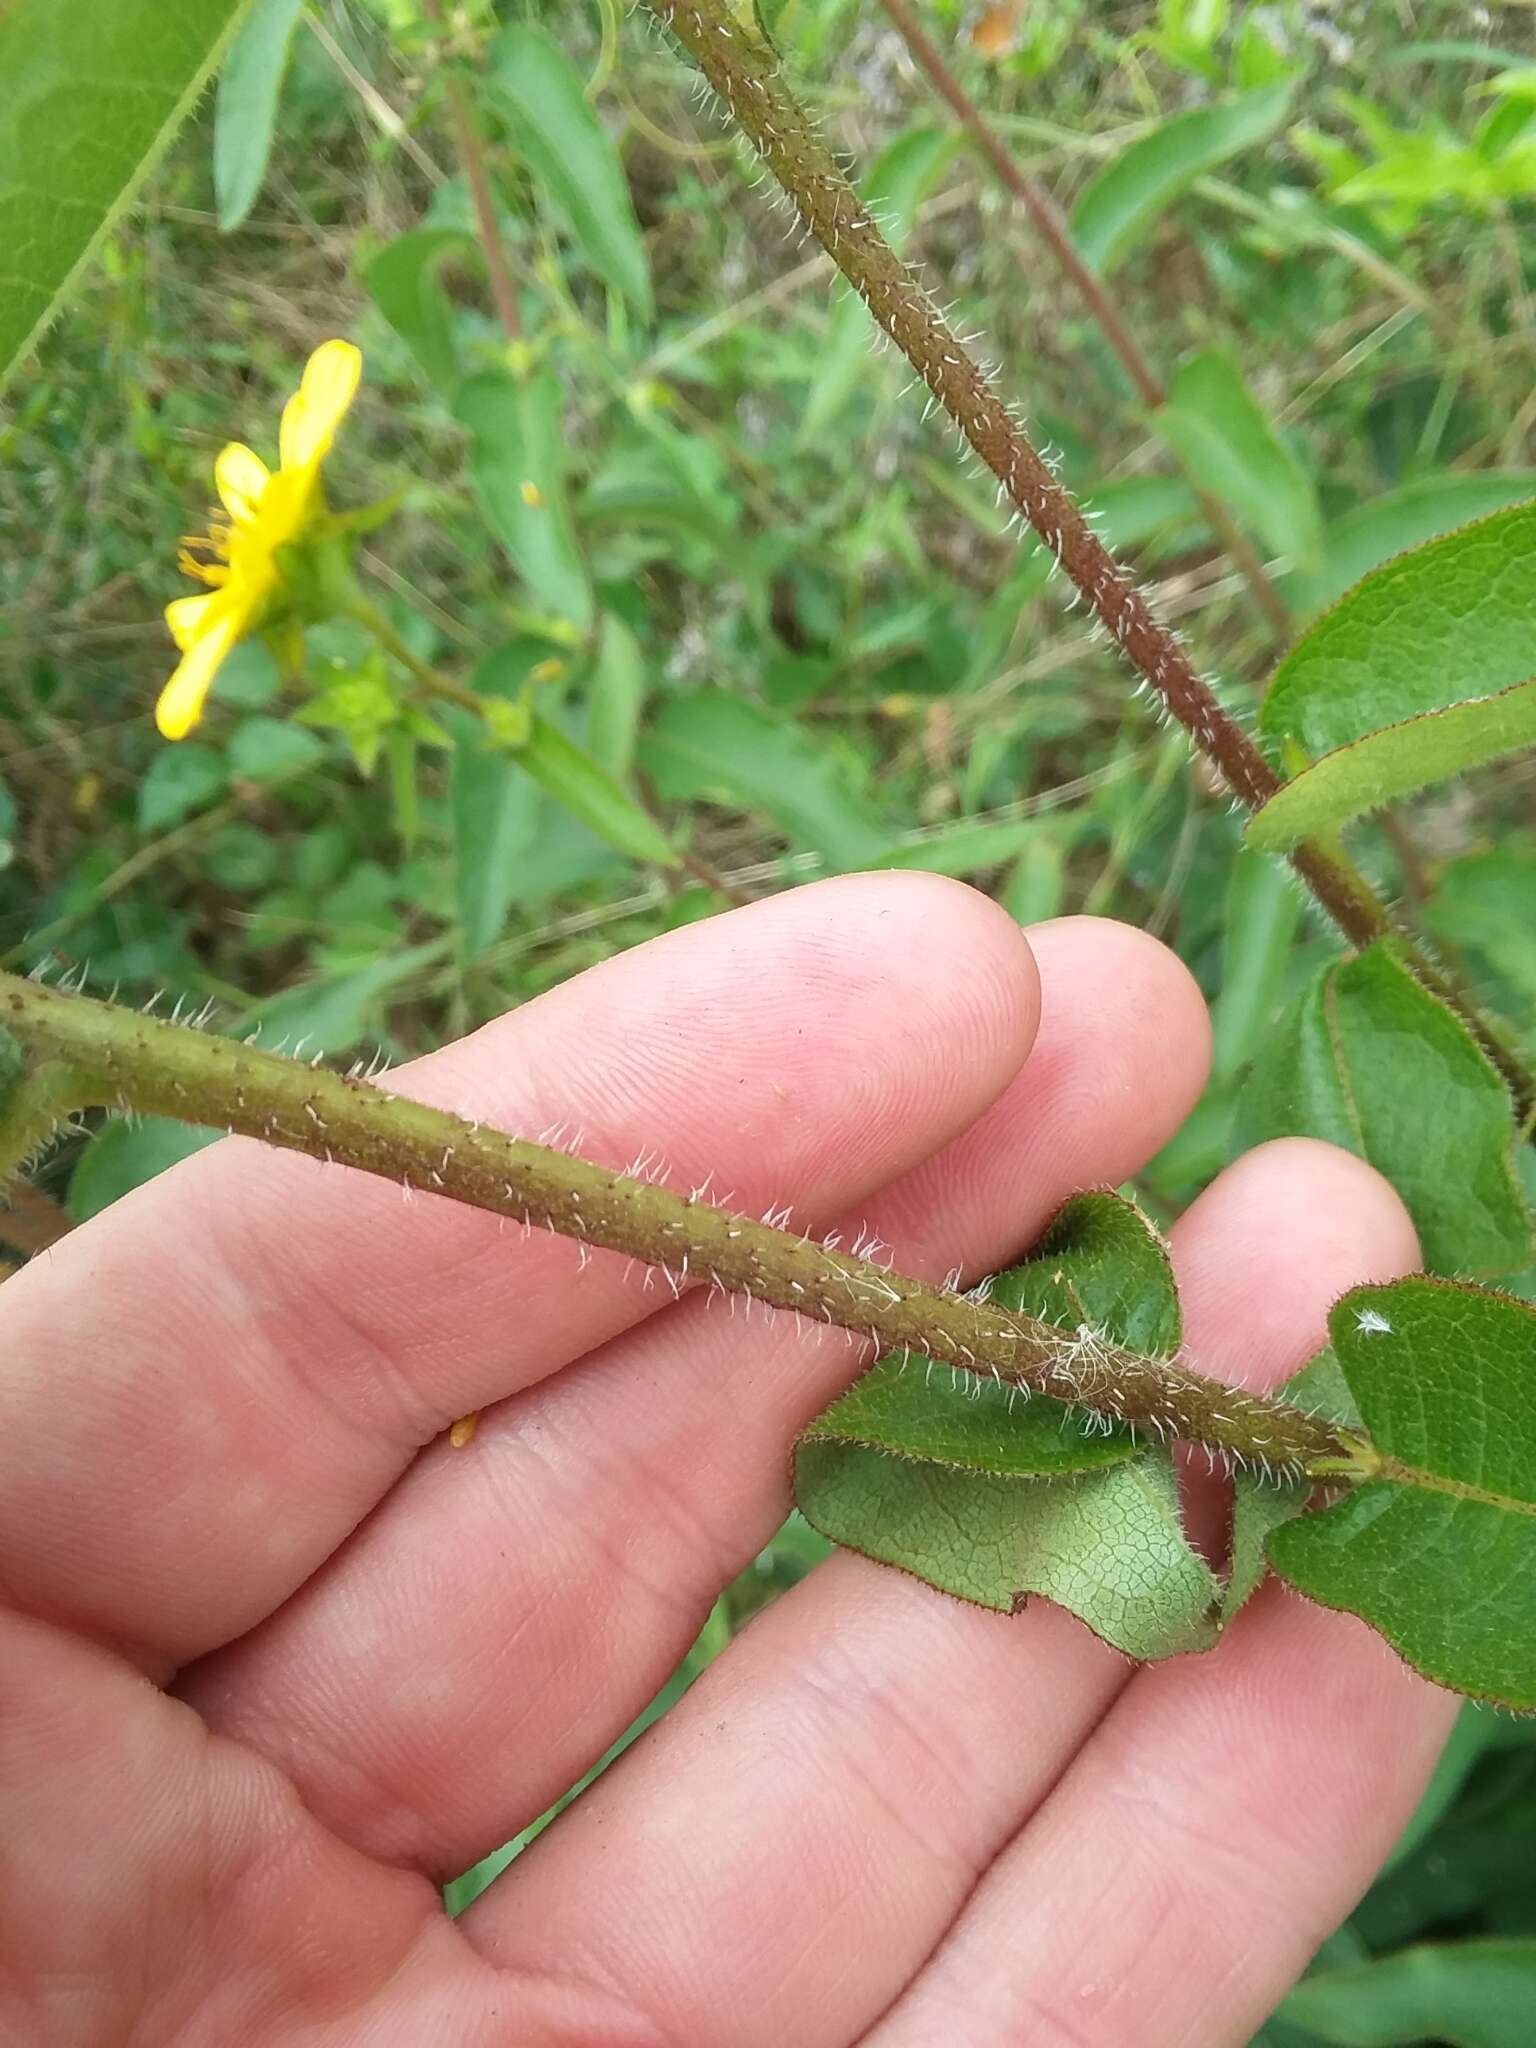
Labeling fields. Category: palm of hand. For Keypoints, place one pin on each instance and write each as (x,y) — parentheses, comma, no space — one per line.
(274,1661)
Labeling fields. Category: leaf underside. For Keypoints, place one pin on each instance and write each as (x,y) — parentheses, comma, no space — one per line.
(993,1497)
(1395,762)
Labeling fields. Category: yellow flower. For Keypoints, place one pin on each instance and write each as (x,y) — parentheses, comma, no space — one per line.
(266,510)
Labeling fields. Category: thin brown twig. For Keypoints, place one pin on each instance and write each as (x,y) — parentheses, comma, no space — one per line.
(1051,226)
(466,143)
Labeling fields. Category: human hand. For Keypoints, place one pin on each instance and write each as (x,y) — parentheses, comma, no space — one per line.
(274,1660)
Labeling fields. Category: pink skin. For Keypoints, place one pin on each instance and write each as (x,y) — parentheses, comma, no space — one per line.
(880,1816)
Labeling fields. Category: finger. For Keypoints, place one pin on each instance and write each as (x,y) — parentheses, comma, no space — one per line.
(506,1613)
(236,1362)
(799,1830)
(1229,1810)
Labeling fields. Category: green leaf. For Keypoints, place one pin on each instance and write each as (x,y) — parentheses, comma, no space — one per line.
(893,189)
(495,807)
(562,770)
(964,848)
(403,282)
(245,114)
(180,779)
(1263,912)
(616,698)
(716,746)
(1227,446)
(1483,904)
(124,1154)
(1368,1059)
(540,94)
(1138,509)
(992,1497)
(519,472)
(334,1013)
(92,97)
(1439,1552)
(272,750)
(1463,1994)
(1362,539)
(1118,205)
(1450,621)
(1395,761)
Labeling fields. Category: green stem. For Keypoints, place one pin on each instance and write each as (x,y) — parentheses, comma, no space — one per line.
(123,1060)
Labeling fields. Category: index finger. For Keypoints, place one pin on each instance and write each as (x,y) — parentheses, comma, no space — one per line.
(215,1381)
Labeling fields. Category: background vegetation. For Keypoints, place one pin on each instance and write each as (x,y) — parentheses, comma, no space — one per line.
(780,614)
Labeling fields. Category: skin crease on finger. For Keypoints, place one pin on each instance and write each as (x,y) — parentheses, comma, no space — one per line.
(623,1493)
(262,1343)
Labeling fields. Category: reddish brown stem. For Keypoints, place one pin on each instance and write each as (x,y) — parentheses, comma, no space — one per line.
(466,143)
(744,71)
(1050,224)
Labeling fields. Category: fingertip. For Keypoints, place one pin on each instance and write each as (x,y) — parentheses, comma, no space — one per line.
(1160,1022)
(1334,1206)
(1273,1242)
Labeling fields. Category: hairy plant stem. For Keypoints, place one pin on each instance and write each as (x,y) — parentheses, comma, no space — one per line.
(1051,226)
(744,71)
(99,1055)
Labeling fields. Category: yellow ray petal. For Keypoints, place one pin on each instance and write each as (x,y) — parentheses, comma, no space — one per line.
(182,700)
(317,408)
(241,477)
(185,618)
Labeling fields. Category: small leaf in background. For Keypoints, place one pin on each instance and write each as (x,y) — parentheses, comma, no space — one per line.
(1459,1994)
(540,94)
(1482,905)
(518,466)
(1118,205)
(249,677)
(272,750)
(1439,1552)
(1137,509)
(964,848)
(1228,447)
(1395,761)
(1368,1059)
(720,748)
(1362,539)
(75,144)
(575,781)
(1451,620)
(993,1497)
(124,1154)
(494,806)
(1263,913)
(404,284)
(245,112)
(893,189)
(179,781)
(615,699)
(335,1013)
